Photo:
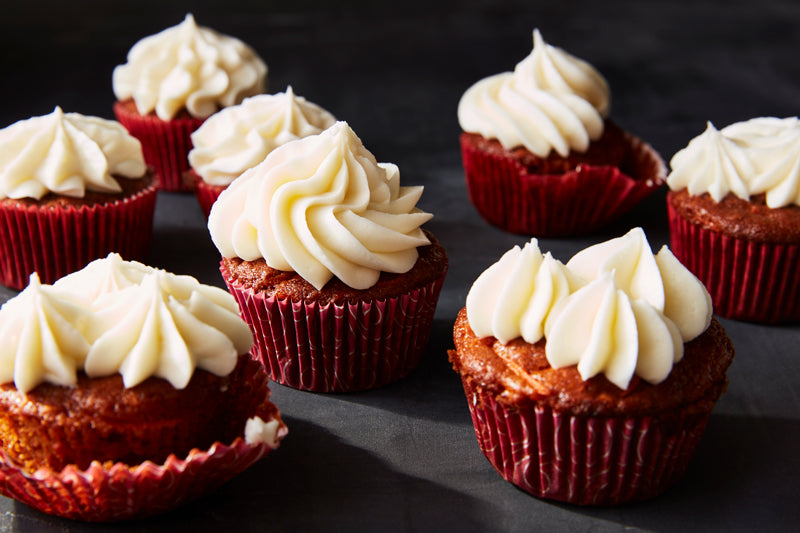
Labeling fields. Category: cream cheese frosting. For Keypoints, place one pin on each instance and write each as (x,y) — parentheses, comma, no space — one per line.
(188,67)
(239,137)
(66,154)
(615,308)
(148,322)
(551,101)
(322,206)
(760,155)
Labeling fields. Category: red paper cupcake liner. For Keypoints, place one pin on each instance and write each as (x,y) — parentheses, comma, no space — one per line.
(338,347)
(108,491)
(206,193)
(57,240)
(165,144)
(582,460)
(747,280)
(577,202)
(112,492)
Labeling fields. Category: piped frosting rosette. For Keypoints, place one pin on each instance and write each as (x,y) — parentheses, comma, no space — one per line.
(174,80)
(81,159)
(748,171)
(540,156)
(615,308)
(239,137)
(323,208)
(127,318)
(615,312)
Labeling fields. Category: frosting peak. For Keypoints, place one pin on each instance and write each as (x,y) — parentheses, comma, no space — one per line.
(188,66)
(760,155)
(66,154)
(552,101)
(239,137)
(614,308)
(130,319)
(322,206)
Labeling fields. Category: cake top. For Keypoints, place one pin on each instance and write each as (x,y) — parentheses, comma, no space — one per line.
(188,67)
(757,156)
(615,308)
(238,137)
(120,317)
(552,101)
(66,154)
(322,206)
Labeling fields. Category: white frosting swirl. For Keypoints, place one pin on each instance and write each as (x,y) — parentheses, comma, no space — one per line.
(322,206)
(241,136)
(514,296)
(120,317)
(188,67)
(66,154)
(552,101)
(601,329)
(760,155)
(614,308)
(44,337)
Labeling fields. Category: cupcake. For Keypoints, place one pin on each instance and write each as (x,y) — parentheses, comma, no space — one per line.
(541,156)
(72,189)
(324,252)
(592,382)
(172,82)
(241,136)
(734,216)
(126,390)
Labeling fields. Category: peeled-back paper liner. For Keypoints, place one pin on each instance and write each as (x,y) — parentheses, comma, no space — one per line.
(583,460)
(577,202)
(165,144)
(338,347)
(106,492)
(206,193)
(57,240)
(747,280)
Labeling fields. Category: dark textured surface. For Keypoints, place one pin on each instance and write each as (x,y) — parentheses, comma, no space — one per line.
(405,458)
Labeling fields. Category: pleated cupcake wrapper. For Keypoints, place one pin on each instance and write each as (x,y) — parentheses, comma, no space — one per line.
(165,144)
(104,493)
(582,460)
(577,202)
(747,280)
(338,347)
(57,240)
(206,193)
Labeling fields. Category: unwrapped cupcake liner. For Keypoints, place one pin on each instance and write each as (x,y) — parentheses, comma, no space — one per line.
(165,144)
(338,347)
(206,193)
(748,280)
(114,491)
(583,460)
(580,201)
(57,240)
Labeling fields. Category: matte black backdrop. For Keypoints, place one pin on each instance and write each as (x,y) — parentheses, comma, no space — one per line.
(404,458)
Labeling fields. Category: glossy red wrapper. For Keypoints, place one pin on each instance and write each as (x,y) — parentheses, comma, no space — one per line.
(57,240)
(206,193)
(582,460)
(748,280)
(580,201)
(338,347)
(165,143)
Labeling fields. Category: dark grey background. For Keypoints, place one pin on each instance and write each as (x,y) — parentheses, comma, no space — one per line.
(405,458)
